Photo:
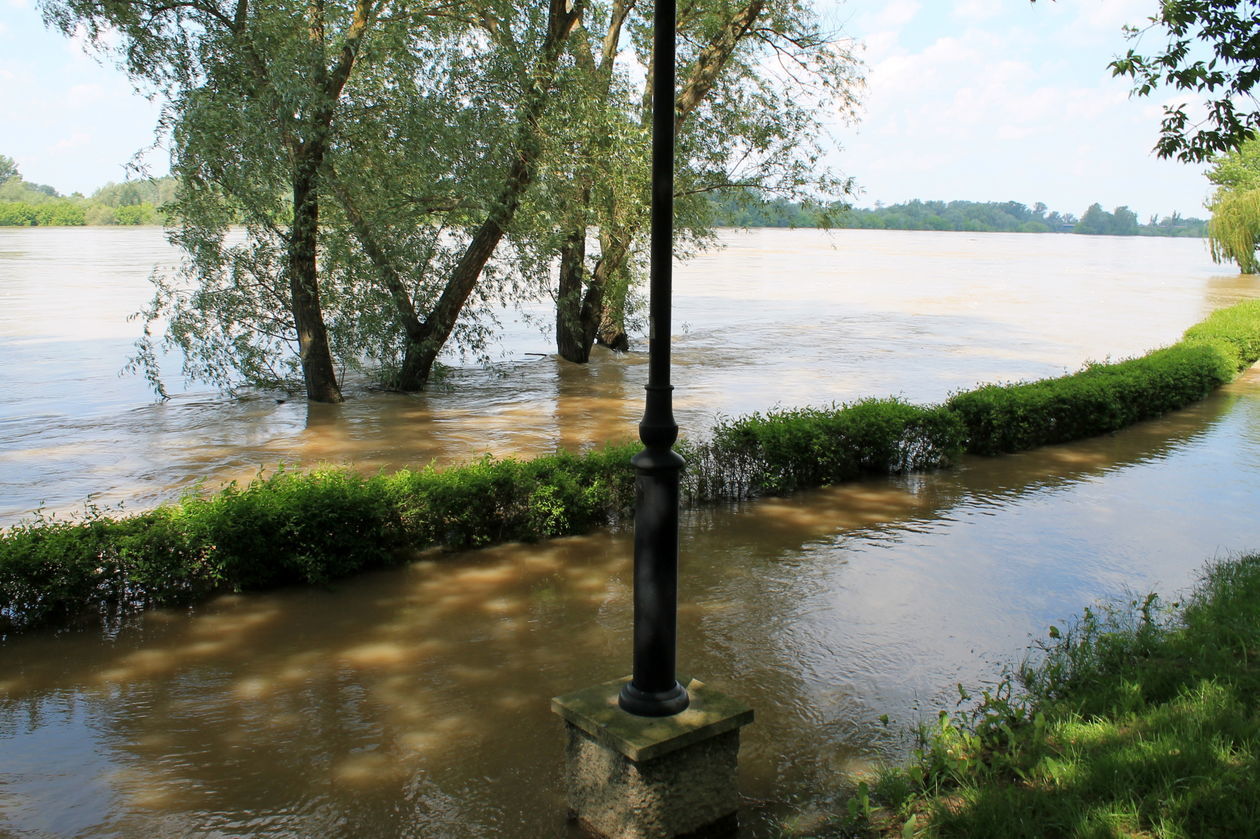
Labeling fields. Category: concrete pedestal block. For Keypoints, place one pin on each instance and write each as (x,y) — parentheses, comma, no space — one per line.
(630,777)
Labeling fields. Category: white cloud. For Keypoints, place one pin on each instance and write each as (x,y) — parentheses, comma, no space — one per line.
(896,14)
(77,140)
(1110,15)
(85,94)
(978,10)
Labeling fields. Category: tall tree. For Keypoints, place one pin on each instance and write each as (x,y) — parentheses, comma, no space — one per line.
(254,91)
(468,210)
(376,151)
(754,77)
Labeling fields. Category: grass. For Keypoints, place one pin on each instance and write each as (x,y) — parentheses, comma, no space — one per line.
(1140,720)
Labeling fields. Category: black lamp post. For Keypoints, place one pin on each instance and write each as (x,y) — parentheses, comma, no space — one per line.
(654,691)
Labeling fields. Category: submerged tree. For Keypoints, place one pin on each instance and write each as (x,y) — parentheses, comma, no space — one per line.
(754,78)
(374,152)
(429,234)
(254,95)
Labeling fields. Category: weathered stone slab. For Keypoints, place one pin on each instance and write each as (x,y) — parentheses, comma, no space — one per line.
(631,777)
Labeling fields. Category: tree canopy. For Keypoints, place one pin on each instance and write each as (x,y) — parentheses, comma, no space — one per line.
(405,168)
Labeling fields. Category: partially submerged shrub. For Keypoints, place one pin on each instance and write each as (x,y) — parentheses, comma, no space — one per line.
(783,451)
(1099,399)
(1237,326)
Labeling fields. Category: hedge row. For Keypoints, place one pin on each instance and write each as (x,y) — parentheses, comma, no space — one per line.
(1105,397)
(291,527)
(783,451)
(319,526)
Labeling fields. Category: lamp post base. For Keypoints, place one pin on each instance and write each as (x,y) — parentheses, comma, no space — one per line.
(663,703)
(636,777)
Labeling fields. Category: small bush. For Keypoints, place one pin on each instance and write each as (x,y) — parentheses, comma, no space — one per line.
(59,214)
(16,214)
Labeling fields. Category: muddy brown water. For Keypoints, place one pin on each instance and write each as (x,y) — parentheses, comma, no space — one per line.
(415,702)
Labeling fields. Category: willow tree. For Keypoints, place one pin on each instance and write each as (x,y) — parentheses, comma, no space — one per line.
(428,234)
(375,152)
(254,91)
(1234,229)
(756,81)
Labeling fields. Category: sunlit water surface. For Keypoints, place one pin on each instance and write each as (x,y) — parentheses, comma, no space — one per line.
(415,702)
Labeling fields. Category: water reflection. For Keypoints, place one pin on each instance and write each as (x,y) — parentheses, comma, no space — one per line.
(414,702)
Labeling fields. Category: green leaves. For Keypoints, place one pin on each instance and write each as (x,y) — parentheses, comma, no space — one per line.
(1211,48)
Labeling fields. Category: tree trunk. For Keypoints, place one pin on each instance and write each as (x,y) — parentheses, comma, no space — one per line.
(608,308)
(579,316)
(563,17)
(317,365)
(569,339)
(606,299)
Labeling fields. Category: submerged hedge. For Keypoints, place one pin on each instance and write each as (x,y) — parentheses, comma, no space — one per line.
(318,526)
(1106,397)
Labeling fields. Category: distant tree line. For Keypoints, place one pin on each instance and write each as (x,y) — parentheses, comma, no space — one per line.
(750,210)
(27,204)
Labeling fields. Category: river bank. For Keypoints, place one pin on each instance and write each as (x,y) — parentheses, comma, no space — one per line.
(1138,719)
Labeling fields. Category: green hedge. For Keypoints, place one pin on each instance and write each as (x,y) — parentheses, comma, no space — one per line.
(1099,399)
(784,451)
(319,526)
(1105,397)
(1237,327)
(297,528)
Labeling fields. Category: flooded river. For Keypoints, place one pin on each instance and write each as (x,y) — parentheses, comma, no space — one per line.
(415,702)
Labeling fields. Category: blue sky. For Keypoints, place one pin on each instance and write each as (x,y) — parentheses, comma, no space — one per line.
(984,100)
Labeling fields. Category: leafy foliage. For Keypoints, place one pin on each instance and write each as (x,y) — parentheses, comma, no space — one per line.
(1210,48)
(1234,230)
(1099,399)
(783,451)
(296,528)
(23,204)
(1098,222)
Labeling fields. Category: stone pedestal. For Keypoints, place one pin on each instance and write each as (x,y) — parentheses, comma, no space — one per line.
(631,777)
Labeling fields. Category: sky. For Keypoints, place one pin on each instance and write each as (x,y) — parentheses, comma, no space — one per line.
(979,100)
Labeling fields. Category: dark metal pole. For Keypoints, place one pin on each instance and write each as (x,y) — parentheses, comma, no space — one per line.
(654,691)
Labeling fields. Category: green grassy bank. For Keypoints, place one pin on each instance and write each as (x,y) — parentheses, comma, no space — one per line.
(318,526)
(1139,720)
